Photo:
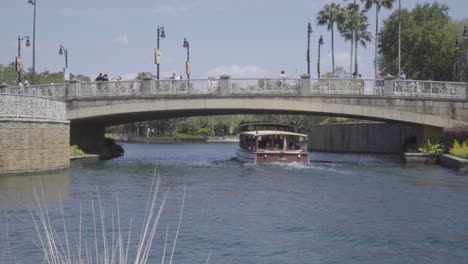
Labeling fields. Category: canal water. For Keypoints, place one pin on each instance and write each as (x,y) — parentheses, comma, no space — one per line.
(345,209)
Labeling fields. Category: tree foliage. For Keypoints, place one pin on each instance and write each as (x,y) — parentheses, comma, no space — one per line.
(331,15)
(427,43)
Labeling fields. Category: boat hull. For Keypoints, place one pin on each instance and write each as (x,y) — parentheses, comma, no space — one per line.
(271,156)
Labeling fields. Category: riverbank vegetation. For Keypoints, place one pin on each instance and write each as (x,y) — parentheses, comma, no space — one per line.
(200,128)
(76,151)
(459,150)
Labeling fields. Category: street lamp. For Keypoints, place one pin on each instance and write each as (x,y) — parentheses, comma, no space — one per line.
(19,60)
(309,31)
(320,43)
(33,2)
(161,34)
(61,52)
(457,47)
(465,36)
(187,63)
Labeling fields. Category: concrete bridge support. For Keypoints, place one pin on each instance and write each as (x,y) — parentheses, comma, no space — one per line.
(89,137)
(423,133)
(374,137)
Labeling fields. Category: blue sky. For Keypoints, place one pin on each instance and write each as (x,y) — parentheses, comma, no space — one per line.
(243,38)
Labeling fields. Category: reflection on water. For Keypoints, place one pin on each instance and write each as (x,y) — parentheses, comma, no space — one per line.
(18,190)
(349,209)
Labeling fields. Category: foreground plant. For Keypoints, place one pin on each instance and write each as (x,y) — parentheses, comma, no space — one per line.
(434,150)
(459,150)
(107,247)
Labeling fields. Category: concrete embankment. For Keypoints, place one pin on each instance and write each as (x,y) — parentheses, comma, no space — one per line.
(372,138)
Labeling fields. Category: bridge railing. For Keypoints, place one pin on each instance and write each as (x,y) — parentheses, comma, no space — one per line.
(248,86)
(20,107)
(111,88)
(48,90)
(430,89)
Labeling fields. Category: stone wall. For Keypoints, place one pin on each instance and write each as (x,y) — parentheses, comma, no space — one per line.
(379,138)
(29,146)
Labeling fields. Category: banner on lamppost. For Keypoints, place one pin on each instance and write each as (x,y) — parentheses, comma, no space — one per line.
(157,56)
(66,75)
(187,67)
(308,54)
(19,64)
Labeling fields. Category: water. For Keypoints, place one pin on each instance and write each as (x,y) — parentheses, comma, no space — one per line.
(351,209)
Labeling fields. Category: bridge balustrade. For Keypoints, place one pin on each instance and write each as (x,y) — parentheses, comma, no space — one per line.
(247,86)
(430,89)
(26,107)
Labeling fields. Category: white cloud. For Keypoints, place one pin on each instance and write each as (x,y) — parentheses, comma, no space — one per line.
(239,71)
(121,40)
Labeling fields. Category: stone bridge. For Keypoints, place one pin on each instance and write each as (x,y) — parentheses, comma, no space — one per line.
(429,106)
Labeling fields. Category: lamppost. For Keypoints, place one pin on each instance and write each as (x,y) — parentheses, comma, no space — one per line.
(33,2)
(465,36)
(19,60)
(455,68)
(161,34)
(457,47)
(309,31)
(320,43)
(187,63)
(61,51)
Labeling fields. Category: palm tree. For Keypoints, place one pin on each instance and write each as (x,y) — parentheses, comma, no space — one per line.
(347,29)
(361,35)
(330,15)
(387,4)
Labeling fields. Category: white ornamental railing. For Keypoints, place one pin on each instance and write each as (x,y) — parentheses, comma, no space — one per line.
(250,86)
(22,107)
(430,89)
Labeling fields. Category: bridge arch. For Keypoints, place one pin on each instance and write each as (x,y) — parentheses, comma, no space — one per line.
(112,111)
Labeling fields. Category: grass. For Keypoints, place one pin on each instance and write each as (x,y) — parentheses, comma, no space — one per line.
(107,247)
(170,138)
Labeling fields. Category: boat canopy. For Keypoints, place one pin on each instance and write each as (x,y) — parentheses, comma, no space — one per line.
(271,132)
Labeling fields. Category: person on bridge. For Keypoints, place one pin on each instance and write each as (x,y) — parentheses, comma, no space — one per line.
(99,78)
(402,76)
(283,77)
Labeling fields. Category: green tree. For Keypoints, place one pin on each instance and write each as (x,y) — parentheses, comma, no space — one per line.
(387,4)
(8,74)
(361,35)
(427,42)
(330,15)
(347,29)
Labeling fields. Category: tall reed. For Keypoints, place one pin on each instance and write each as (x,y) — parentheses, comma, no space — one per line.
(107,247)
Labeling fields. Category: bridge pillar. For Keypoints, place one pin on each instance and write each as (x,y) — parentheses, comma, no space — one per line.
(89,137)
(4,88)
(389,84)
(424,133)
(224,84)
(147,85)
(74,88)
(306,86)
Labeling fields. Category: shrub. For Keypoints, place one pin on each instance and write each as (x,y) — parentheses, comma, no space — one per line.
(451,134)
(185,137)
(433,149)
(76,151)
(459,150)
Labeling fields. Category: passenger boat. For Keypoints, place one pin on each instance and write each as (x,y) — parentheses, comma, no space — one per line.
(271,142)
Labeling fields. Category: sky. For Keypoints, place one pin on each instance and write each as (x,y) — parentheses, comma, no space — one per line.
(242,38)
